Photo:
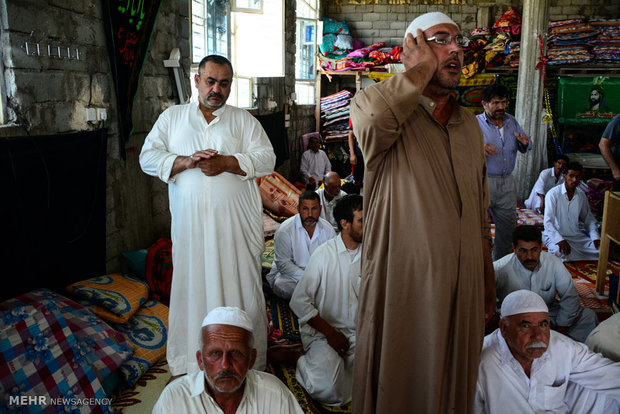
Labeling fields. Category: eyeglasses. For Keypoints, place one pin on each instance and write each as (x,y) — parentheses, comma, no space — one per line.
(444,39)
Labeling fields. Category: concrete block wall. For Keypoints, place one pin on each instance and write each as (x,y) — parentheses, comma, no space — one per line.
(50,95)
(385,22)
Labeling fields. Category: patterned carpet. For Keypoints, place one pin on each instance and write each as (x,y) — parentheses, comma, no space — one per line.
(584,276)
(142,397)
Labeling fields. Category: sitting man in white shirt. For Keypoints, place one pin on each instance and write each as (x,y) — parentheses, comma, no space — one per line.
(547,179)
(314,163)
(527,368)
(329,195)
(541,272)
(294,241)
(605,338)
(325,301)
(226,382)
(566,211)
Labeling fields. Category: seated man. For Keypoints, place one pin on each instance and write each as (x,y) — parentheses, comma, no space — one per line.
(328,195)
(541,272)
(547,179)
(294,241)
(314,163)
(566,211)
(527,368)
(226,381)
(325,300)
(605,338)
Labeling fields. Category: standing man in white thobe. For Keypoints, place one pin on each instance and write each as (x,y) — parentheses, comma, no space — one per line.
(209,153)
(314,163)
(325,300)
(566,211)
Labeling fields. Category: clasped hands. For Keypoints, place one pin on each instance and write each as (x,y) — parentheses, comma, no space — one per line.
(209,161)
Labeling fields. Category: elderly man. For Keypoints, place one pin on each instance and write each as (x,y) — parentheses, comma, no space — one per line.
(567,211)
(325,300)
(547,179)
(426,251)
(314,162)
(527,368)
(541,272)
(329,195)
(226,382)
(503,137)
(209,153)
(294,241)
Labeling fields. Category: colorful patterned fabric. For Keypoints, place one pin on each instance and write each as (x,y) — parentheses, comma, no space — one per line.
(268,254)
(530,217)
(147,331)
(116,296)
(159,270)
(278,195)
(52,347)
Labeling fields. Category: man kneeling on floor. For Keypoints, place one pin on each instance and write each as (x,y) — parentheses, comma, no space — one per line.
(541,272)
(226,381)
(527,368)
(325,301)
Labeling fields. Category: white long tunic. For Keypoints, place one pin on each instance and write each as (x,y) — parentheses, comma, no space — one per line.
(217,234)
(546,181)
(327,212)
(562,221)
(314,164)
(328,288)
(568,378)
(263,394)
(549,278)
(292,249)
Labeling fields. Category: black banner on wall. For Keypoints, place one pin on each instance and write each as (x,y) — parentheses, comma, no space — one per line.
(128,26)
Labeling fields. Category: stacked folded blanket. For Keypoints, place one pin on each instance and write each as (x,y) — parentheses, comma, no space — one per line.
(335,116)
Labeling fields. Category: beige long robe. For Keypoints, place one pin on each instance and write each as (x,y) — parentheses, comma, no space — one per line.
(421,309)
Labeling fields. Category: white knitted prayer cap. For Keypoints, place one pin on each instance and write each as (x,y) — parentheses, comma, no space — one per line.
(522,301)
(428,20)
(228,315)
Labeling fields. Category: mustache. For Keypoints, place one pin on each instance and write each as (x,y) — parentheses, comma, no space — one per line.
(225,374)
(537,344)
(215,95)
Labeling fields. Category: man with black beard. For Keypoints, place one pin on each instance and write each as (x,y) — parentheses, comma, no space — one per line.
(294,241)
(503,137)
(325,301)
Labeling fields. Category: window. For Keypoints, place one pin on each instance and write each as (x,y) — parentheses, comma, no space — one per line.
(306,46)
(243,33)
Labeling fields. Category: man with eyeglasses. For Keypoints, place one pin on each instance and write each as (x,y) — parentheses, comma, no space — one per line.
(427,277)
(527,368)
(503,137)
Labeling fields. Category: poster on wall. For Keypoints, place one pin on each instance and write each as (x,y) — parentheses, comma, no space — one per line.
(468,92)
(128,26)
(588,100)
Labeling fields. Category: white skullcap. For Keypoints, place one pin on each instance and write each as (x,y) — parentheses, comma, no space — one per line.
(428,20)
(228,315)
(522,301)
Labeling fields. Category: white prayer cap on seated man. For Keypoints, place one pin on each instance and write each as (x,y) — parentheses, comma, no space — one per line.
(229,315)
(522,301)
(428,20)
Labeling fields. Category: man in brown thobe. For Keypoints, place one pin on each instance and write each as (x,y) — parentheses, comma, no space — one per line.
(427,276)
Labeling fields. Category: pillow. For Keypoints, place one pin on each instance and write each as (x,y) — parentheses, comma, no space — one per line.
(116,296)
(51,347)
(136,261)
(344,42)
(335,26)
(147,331)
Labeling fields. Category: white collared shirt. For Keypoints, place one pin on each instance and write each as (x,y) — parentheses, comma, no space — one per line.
(327,210)
(315,164)
(263,394)
(563,216)
(566,368)
(293,246)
